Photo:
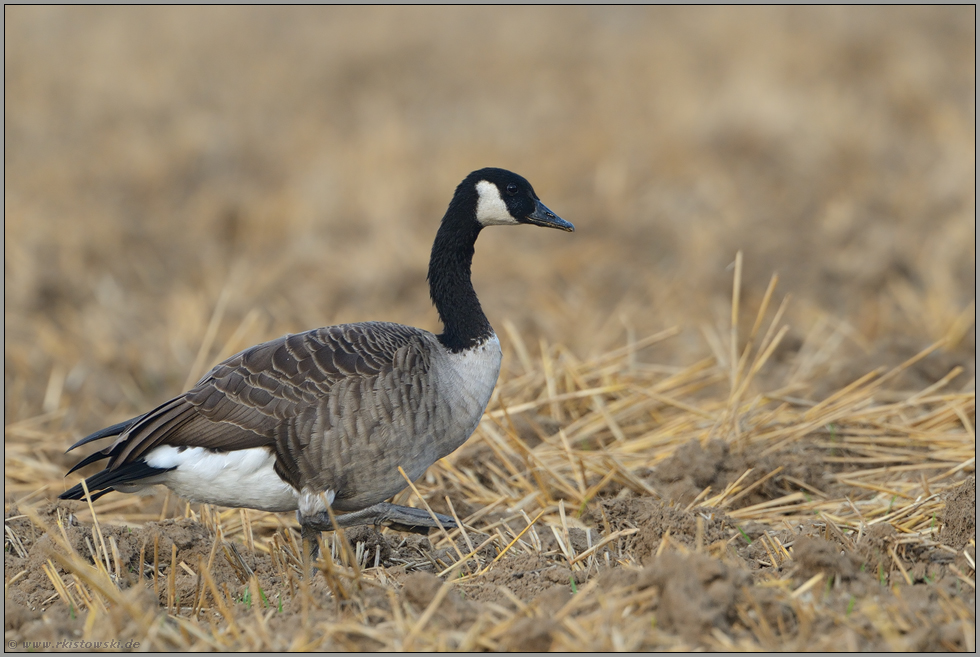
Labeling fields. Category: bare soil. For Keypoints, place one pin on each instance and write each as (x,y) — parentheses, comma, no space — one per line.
(688,594)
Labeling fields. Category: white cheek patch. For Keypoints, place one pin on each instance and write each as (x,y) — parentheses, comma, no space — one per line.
(491,209)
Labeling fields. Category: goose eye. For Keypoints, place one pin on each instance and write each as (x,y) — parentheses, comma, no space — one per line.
(511,189)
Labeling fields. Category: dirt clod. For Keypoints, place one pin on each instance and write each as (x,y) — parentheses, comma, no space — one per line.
(960,516)
(656,518)
(697,593)
(815,555)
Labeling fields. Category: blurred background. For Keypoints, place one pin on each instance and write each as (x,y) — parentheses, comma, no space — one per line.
(183,182)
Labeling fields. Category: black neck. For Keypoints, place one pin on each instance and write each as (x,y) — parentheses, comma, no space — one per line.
(464,324)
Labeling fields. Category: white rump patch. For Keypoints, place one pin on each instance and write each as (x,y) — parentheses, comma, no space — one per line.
(242,478)
(491,209)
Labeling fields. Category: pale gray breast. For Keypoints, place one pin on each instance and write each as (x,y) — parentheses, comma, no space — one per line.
(410,414)
(465,380)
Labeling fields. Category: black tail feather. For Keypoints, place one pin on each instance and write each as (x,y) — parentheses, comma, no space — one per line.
(91,458)
(114,430)
(102,482)
(104,491)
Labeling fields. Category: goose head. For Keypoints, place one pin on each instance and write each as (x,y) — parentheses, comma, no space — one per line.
(502,198)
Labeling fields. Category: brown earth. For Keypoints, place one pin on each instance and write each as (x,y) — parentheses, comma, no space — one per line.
(688,593)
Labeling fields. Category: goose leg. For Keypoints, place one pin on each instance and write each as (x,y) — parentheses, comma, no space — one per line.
(400,518)
(311,542)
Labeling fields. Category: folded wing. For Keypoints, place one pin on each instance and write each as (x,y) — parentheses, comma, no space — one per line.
(276,395)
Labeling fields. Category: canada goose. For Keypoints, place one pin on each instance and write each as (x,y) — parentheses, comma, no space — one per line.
(328,416)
